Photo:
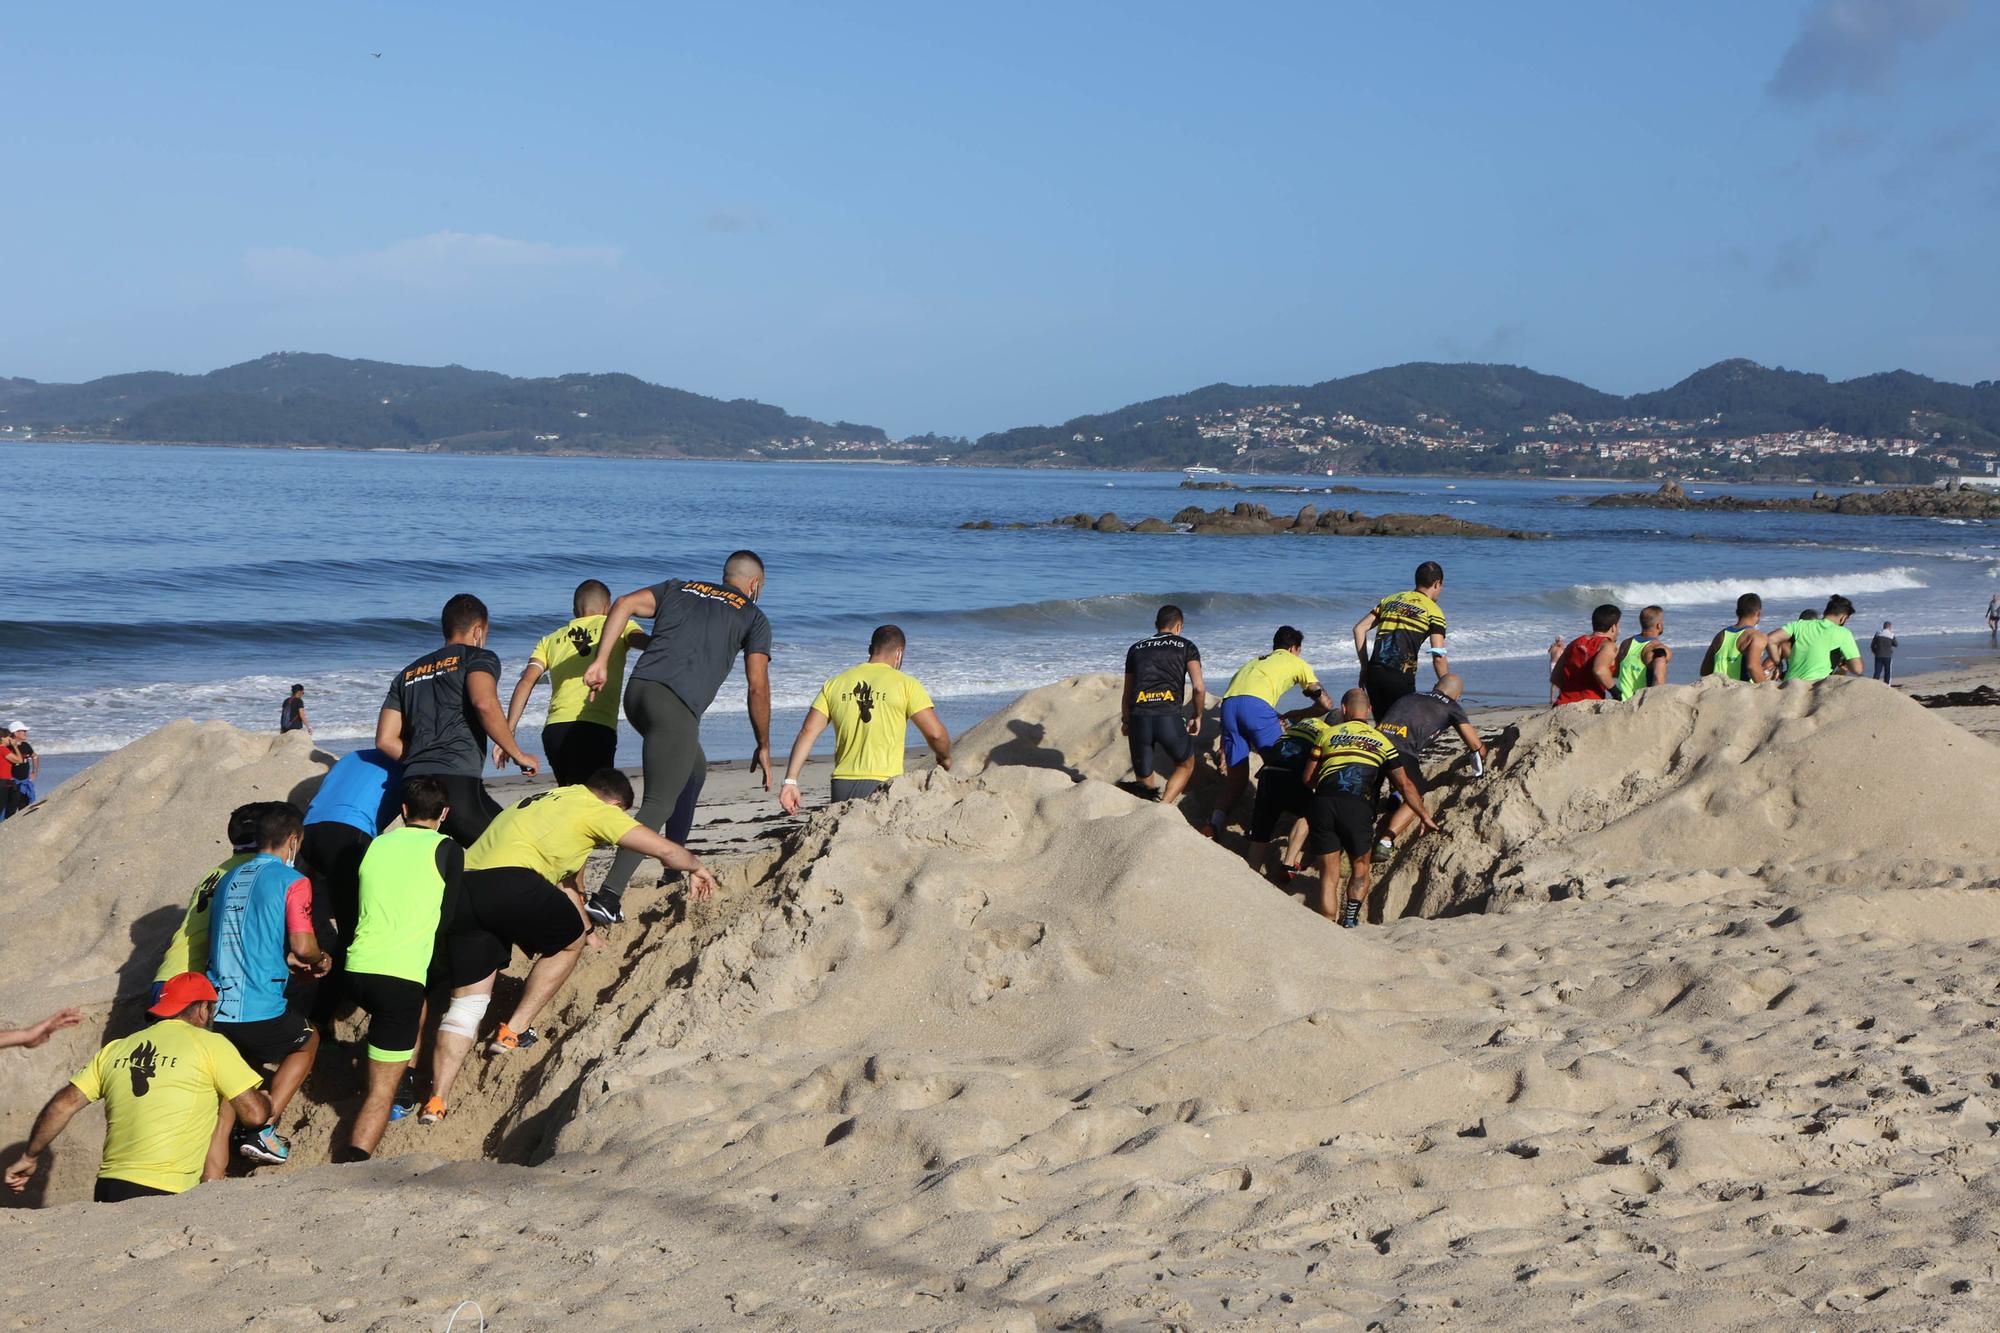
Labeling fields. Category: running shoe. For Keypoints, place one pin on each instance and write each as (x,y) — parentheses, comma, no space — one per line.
(1350,914)
(407,1098)
(1385,848)
(602,909)
(506,1039)
(266,1146)
(433,1112)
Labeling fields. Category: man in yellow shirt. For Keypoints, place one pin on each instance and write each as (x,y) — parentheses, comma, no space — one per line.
(522,890)
(580,734)
(162,1090)
(869,706)
(1250,720)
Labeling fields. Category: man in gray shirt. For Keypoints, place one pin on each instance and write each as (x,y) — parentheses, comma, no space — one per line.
(698,630)
(1883,645)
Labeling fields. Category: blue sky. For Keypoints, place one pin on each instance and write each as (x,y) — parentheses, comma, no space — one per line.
(963,218)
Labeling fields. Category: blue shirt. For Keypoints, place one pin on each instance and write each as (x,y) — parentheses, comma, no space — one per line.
(364,790)
(246,940)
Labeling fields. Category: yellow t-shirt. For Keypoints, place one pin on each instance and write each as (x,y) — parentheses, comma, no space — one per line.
(566,655)
(187,951)
(161,1089)
(550,833)
(870,706)
(1269,676)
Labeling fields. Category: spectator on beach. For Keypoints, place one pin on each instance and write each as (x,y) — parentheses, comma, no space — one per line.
(1813,648)
(163,1089)
(27,766)
(1993,617)
(869,707)
(292,712)
(10,791)
(1883,648)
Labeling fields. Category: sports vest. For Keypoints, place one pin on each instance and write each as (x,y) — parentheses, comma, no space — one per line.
(402,896)
(246,940)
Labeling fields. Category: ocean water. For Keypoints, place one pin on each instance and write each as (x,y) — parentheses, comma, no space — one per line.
(151,583)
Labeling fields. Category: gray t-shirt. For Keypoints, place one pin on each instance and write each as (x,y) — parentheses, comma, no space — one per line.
(1414,720)
(698,630)
(442,733)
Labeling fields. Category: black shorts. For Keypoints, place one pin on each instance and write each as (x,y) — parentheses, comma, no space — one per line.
(503,909)
(472,808)
(1342,823)
(1385,685)
(268,1040)
(395,1008)
(1281,794)
(575,750)
(1411,765)
(330,855)
(111,1190)
(856,789)
(1166,730)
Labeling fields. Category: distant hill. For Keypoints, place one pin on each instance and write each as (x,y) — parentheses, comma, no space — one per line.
(1473,404)
(308,398)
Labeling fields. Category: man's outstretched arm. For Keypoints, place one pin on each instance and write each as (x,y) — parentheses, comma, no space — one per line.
(49,1125)
(32,1037)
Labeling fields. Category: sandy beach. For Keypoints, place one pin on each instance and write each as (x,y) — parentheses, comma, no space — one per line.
(1685,1020)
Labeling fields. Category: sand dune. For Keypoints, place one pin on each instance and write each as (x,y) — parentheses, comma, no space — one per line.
(1005,1050)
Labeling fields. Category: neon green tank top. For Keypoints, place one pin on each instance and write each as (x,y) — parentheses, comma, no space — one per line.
(402,897)
(1632,668)
(1729,656)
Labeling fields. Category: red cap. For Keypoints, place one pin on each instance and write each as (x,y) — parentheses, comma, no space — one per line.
(180,992)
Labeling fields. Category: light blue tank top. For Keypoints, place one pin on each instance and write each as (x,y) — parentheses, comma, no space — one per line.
(246,940)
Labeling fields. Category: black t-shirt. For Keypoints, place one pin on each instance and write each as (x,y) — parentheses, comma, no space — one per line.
(442,734)
(698,629)
(1158,667)
(289,715)
(1414,720)
(24,755)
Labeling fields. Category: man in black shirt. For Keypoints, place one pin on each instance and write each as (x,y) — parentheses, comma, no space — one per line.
(1152,701)
(292,713)
(1413,722)
(440,712)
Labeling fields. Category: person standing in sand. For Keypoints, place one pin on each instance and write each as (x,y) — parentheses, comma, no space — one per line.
(1404,624)
(409,887)
(1737,651)
(441,709)
(1250,722)
(1816,649)
(1587,668)
(187,948)
(27,766)
(1412,723)
(1284,799)
(580,733)
(1346,772)
(1993,618)
(699,629)
(162,1089)
(1154,708)
(869,707)
(1883,648)
(1642,660)
(521,891)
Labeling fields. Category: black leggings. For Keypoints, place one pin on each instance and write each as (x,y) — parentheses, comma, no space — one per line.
(118,1191)
(673,765)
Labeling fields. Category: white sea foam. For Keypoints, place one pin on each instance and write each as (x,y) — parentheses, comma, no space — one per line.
(1718,592)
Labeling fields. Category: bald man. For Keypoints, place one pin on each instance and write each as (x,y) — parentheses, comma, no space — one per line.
(1412,723)
(1346,772)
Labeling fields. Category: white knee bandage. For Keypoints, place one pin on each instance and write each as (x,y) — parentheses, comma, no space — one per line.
(462,1015)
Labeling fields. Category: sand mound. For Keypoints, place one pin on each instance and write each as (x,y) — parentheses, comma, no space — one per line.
(1843,783)
(99,874)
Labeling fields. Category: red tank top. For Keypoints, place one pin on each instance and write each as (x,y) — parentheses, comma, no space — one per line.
(1575,681)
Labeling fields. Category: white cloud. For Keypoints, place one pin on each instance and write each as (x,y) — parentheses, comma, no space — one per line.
(441,261)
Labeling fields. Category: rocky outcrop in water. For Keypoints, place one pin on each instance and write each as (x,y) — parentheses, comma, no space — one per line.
(1247,519)
(1910,502)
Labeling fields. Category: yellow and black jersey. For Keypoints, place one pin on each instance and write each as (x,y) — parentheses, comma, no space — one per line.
(1404,623)
(1299,746)
(1350,758)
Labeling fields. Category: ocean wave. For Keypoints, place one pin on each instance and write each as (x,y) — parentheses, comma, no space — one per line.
(1718,592)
